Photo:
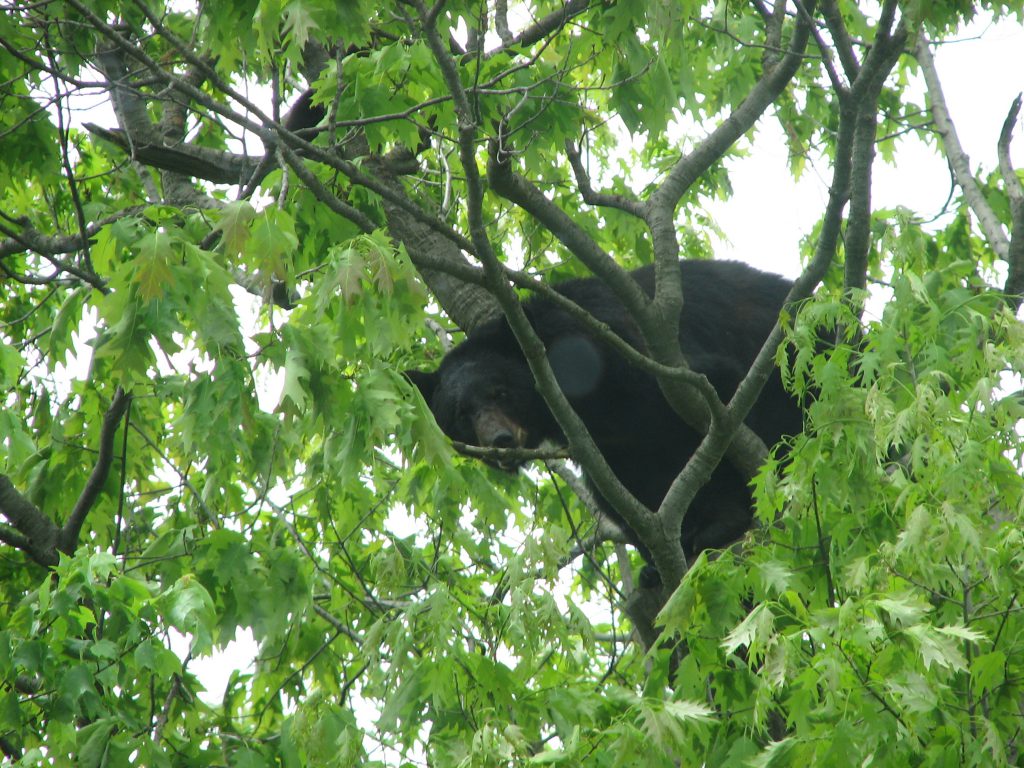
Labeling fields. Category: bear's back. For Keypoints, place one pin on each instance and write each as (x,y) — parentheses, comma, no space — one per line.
(728,306)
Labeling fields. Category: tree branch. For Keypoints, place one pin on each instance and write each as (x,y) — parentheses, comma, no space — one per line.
(713,447)
(1015,192)
(865,93)
(516,189)
(218,166)
(764,93)
(322,194)
(11,537)
(468,305)
(841,39)
(39,534)
(659,321)
(30,239)
(543,27)
(1014,188)
(593,197)
(958,159)
(68,537)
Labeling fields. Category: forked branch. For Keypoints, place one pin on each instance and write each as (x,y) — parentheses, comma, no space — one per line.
(34,532)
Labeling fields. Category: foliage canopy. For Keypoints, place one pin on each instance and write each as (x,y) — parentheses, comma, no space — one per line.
(227,228)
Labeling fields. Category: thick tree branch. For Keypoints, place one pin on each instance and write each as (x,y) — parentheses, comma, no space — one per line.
(841,39)
(467,305)
(692,166)
(12,538)
(543,27)
(659,321)
(68,538)
(1015,192)
(121,44)
(442,265)
(470,304)
(661,207)
(852,172)
(214,165)
(130,105)
(659,326)
(826,54)
(694,406)
(39,533)
(422,233)
(865,93)
(773,23)
(1014,188)
(30,239)
(324,195)
(712,448)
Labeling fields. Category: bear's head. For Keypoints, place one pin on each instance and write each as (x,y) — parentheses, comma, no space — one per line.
(485,396)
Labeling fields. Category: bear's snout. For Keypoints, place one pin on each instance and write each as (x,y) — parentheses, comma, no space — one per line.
(494,429)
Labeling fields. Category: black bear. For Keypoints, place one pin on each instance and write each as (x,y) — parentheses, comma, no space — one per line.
(483,392)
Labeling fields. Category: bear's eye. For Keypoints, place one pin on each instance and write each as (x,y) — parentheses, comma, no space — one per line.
(499,394)
(460,426)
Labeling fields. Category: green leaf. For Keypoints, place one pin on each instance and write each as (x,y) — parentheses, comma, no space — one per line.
(904,609)
(95,743)
(282,497)
(272,241)
(937,647)
(349,273)
(64,324)
(962,632)
(152,265)
(666,723)
(989,670)
(234,223)
(753,630)
(299,21)
(11,364)
(190,609)
(295,374)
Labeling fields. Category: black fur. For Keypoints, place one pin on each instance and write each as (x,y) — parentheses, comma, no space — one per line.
(483,392)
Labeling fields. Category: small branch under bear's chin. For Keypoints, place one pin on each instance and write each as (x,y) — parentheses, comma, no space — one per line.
(509,459)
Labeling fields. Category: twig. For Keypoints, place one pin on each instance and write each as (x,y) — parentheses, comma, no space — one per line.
(592,196)
(210,517)
(165,713)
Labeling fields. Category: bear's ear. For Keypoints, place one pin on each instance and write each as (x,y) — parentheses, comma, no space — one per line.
(425,381)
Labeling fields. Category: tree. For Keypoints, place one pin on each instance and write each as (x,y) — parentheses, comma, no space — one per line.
(310,197)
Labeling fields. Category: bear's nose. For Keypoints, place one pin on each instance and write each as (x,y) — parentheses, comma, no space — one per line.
(494,429)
